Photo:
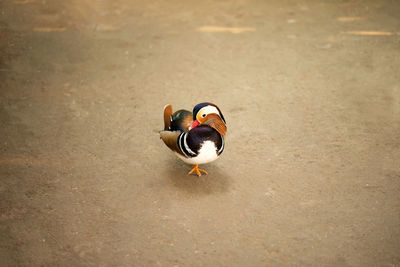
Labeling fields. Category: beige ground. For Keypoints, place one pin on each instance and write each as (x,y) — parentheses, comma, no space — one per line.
(311,171)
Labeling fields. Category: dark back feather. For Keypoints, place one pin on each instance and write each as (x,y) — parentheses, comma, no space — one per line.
(181,120)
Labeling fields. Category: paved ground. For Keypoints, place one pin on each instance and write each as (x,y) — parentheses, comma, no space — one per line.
(310,175)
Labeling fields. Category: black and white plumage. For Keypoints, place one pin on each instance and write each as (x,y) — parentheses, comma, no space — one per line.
(199,144)
(196,138)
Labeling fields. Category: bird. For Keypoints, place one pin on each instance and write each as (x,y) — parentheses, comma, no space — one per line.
(196,137)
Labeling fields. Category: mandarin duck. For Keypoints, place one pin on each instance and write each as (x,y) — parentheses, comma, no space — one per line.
(196,137)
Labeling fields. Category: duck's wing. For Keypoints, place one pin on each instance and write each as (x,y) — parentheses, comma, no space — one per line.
(170,139)
(174,125)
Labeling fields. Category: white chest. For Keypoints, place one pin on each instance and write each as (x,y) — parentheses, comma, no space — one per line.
(207,153)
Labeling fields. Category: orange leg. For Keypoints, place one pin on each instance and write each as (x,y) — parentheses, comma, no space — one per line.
(197,170)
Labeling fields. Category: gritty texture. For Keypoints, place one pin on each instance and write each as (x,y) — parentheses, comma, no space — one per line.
(310,175)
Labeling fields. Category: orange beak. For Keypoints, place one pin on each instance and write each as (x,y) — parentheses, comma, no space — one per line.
(195,123)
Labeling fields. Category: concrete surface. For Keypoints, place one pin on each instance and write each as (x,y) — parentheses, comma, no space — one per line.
(310,175)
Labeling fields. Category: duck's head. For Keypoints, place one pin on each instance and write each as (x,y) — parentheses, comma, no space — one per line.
(209,114)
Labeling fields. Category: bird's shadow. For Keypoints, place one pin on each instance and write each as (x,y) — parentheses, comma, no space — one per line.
(215,181)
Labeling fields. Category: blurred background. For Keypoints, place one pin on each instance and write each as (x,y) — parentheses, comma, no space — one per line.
(310,175)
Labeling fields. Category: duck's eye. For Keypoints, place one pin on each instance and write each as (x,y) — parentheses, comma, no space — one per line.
(203,115)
